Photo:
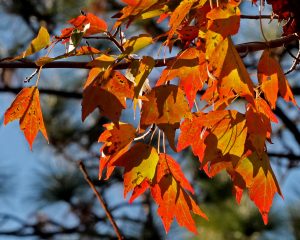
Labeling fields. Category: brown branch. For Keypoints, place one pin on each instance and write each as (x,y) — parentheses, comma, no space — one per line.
(241,48)
(257,17)
(100,199)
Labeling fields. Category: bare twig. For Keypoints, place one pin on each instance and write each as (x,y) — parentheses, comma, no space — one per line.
(100,199)
(295,62)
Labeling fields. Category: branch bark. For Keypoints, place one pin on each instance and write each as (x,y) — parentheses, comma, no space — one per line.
(241,48)
(100,199)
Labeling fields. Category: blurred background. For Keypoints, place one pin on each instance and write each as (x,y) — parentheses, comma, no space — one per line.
(43,194)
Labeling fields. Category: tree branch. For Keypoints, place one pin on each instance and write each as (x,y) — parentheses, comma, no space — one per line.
(100,199)
(241,48)
(290,125)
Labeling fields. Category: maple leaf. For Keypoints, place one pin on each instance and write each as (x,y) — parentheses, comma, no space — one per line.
(108,94)
(190,67)
(42,40)
(135,44)
(259,124)
(140,9)
(140,164)
(174,202)
(178,15)
(96,25)
(26,107)
(226,65)
(260,180)
(167,165)
(141,72)
(165,106)
(226,138)
(193,133)
(116,142)
(224,20)
(272,80)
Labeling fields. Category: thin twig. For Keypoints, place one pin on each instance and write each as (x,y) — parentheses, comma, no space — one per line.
(295,62)
(100,199)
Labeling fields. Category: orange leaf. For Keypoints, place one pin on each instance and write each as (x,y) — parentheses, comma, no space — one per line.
(26,107)
(173,202)
(224,20)
(140,164)
(193,133)
(267,74)
(227,137)
(260,180)
(190,67)
(97,25)
(166,106)
(178,15)
(108,94)
(116,138)
(167,165)
(226,65)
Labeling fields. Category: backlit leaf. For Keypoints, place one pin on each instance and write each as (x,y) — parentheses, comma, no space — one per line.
(26,107)
(108,94)
(268,77)
(166,106)
(224,20)
(227,136)
(260,180)
(190,67)
(226,65)
(140,164)
(135,44)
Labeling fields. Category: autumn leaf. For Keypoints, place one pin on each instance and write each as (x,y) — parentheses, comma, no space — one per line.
(260,180)
(272,80)
(41,41)
(26,107)
(108,94)
(167,165)
(138,9)
(96,25)
(166,106)
(140,164)
(116,141)
(135,44)
(258,122)
(178,15)
(227,136)
(267,74)
(174,202)
(228,68)
(193,133)
(224,20)
(144,68)
(190,67)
